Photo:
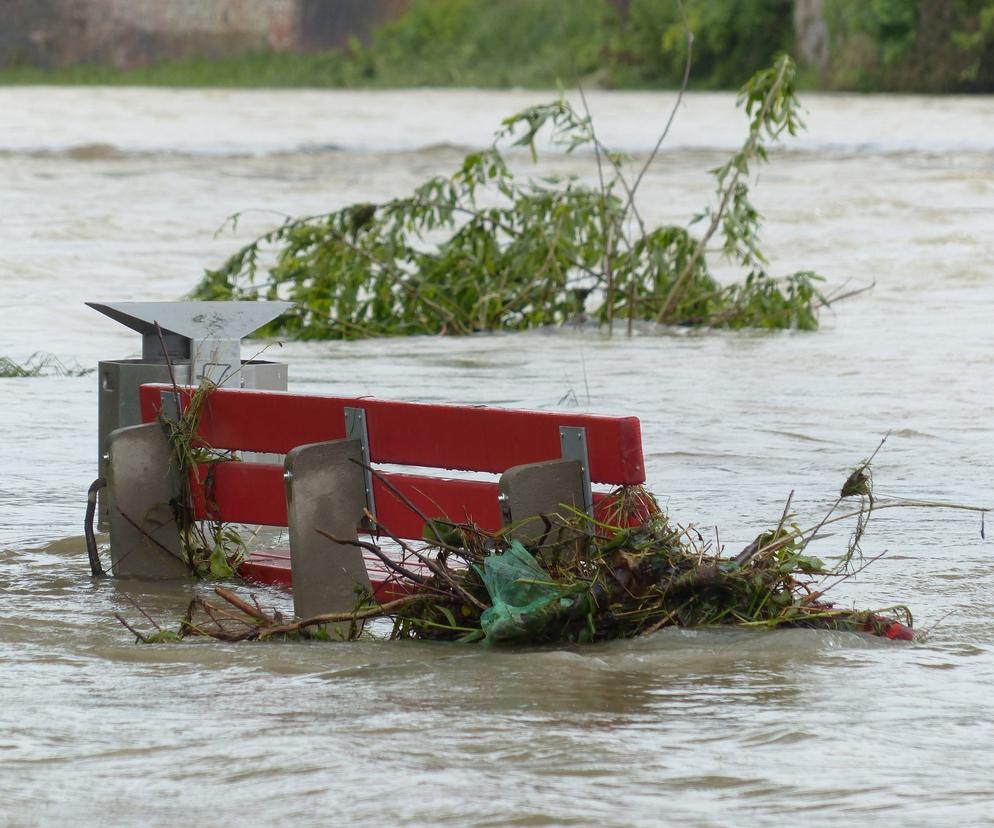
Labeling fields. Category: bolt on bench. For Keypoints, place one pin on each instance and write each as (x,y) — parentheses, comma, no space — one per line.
(544,459)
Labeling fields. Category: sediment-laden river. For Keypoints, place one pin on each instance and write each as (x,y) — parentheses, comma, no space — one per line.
(116,194)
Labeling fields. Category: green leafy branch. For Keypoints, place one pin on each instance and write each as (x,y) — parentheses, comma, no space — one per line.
(484,249)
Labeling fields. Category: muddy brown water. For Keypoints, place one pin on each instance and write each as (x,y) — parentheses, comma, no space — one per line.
(115,194)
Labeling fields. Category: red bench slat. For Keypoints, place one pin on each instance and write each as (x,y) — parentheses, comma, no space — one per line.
(458,500)
(274,568)
(254,493)
(413,434)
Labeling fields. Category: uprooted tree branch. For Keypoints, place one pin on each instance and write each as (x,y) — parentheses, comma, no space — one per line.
(486,249)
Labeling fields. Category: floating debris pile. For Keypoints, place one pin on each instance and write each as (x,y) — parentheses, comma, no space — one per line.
(581,581)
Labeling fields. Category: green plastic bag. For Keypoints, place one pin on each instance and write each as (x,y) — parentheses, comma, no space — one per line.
(519,592)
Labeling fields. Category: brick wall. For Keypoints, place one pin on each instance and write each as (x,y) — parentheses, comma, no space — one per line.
(330,23)
(129,33)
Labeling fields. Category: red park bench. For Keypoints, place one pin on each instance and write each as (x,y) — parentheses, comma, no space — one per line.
(543,459)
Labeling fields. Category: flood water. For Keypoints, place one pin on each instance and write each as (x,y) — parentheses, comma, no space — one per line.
(116,194)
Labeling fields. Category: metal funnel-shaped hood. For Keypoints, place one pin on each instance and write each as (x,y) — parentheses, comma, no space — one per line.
(194,320)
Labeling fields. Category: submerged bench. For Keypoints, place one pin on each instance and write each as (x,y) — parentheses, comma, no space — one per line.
(325,482)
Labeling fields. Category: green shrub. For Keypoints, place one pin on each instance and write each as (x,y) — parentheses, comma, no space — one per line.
(911,45)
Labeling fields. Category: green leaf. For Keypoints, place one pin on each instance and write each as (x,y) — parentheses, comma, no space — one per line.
(163,637)
(809,565)
(448,615)
(219,566)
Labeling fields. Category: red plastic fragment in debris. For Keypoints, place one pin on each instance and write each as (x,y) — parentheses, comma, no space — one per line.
(897,631)
(892,630)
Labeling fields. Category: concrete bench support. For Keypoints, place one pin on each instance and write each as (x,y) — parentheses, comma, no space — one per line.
(325,489)
(527,492)
(143,482)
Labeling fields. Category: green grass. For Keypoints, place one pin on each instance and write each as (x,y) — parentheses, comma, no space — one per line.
(875,45)
(326,69)
(40,365)
(523,43)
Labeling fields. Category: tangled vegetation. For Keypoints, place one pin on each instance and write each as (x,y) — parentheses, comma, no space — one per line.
(40,364)
(582,581)
(210,548)
(485,250)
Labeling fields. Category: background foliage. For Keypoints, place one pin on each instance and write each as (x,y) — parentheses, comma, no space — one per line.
(916,45)
(910,45)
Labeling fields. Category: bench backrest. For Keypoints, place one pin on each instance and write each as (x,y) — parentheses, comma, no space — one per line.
(465,438)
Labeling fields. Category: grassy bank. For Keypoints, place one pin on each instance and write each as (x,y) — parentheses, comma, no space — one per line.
(871,45)
(489,44)
(328,69)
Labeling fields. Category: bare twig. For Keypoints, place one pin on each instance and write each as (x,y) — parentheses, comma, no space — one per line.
(344,617)
(137,606)
(391,564)
(845,576)
(729,189)
(96,569)
(244,606)
(935,626)
(838,296)
(404,499)
(169,362)
(147,536)
(676,106)
(138,635)
(432,564)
